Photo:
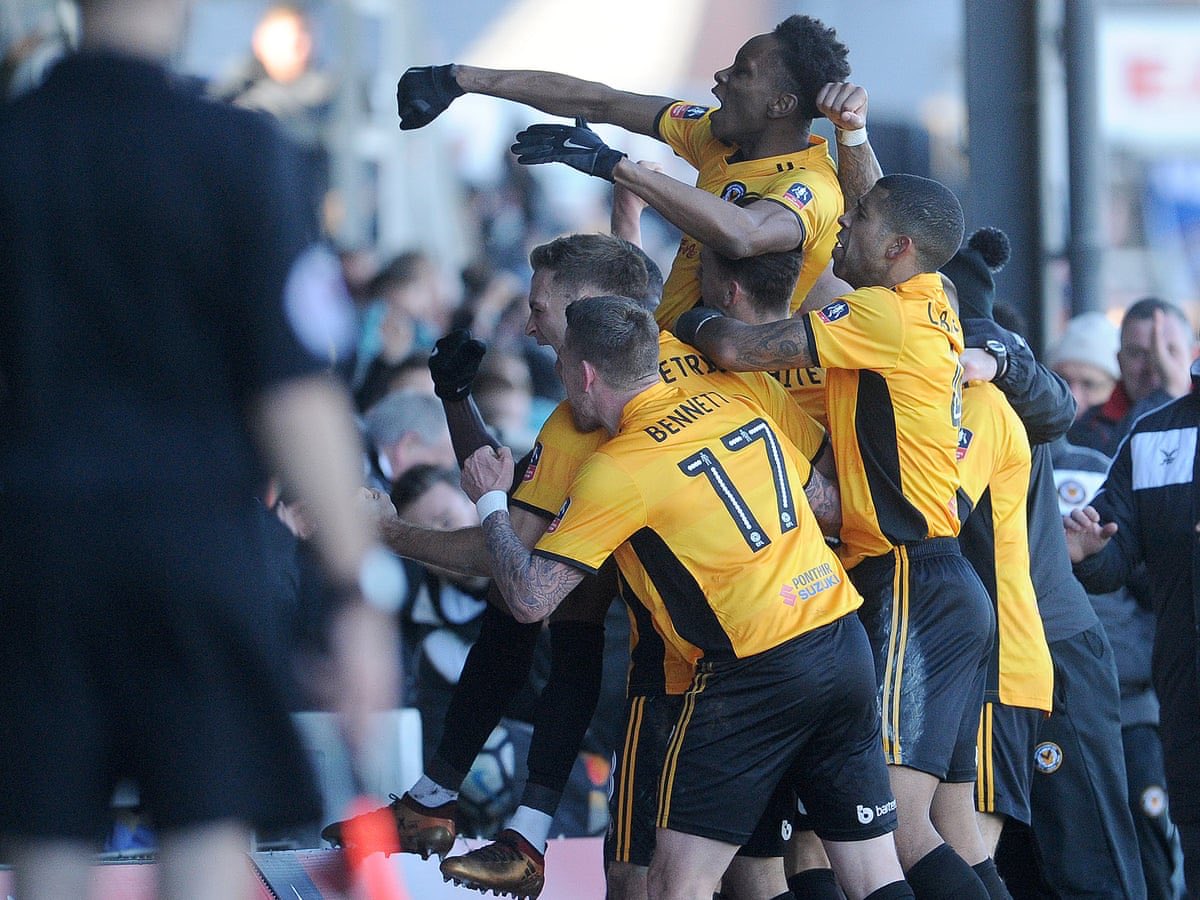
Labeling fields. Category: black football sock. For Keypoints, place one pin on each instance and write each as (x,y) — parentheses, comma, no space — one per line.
(941,874)
(897,890)
(991,879)
(818,884)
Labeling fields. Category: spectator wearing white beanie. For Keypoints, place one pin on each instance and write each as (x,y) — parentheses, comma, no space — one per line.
(1086,358)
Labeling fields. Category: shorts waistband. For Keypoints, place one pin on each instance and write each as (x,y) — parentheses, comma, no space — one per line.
(930,547)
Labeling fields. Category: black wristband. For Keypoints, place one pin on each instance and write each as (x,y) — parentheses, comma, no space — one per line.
(688,325)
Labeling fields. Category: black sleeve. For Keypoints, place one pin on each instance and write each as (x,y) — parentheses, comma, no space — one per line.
(1041,399)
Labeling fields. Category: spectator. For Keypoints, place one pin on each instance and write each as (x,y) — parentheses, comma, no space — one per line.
(1086,359)
(409,309)
(155,250)
(1146,512)
(1157,347)
(443,614)
(403,430)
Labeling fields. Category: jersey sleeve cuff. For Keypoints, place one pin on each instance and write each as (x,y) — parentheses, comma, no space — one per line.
(566,560)
(812,342)
(658,118)
(799,220)
(530,508)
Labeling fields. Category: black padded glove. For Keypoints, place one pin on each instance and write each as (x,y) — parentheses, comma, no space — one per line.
(454,364)
(688,324)
(576,145)
(423,93)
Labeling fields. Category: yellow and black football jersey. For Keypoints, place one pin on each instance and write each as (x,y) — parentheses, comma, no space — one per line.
(804,183)
(994,463)
(893,396)
(700,500)
(806,386)
(561,449)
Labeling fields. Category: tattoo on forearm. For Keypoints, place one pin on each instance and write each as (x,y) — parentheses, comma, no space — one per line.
(532,586)
(826,502)
(782,344)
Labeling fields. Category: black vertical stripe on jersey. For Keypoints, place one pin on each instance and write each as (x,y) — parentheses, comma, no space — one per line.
(647,674)
(875,428)
(978,542)
(685,602)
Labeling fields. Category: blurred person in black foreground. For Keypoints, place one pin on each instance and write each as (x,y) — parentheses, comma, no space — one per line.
(160,304)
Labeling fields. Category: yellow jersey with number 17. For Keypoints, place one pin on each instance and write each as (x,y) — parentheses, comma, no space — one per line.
(700,500)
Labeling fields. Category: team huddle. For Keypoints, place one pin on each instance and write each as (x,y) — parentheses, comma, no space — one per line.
(807,465)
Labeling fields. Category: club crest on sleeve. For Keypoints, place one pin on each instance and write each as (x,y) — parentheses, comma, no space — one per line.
(558,519)
(535,457)
(733,192)
(838,309)
(688,111)
(799,195)
(965,436)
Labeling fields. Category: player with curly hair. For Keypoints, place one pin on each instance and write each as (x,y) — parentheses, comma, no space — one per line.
(754,151)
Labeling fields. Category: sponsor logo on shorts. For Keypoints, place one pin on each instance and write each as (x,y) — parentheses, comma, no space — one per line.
(1047,757)
(1154,801)
(733,192)
(868,813)
(534,458)
(965,436)
(838,309)
(808,584)
(688,111)
(798,195)
(558,519)
(785,830)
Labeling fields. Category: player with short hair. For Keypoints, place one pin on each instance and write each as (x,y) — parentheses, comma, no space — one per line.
(689,488)
(890,349)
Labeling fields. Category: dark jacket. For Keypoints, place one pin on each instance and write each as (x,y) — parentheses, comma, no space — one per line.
(1152,492)
(1045,405)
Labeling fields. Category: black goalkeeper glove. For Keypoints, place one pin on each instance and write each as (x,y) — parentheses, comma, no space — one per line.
(454,364)
(423,93)
(688,324)
(576,145)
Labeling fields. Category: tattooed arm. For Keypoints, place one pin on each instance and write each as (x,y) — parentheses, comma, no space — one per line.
(826,502)
(738,347)
(532,585)
(845,105)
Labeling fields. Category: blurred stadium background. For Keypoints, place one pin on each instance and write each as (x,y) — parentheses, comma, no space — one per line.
(1072,124)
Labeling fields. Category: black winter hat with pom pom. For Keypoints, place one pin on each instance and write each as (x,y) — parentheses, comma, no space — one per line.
(971,270)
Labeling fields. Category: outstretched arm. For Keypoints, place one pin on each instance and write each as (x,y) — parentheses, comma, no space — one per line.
(739,347)
(1040,397)
(424,92)
(732,230)
(462,550)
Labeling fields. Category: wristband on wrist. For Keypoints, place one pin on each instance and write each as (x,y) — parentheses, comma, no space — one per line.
(852,138)
(492,501)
